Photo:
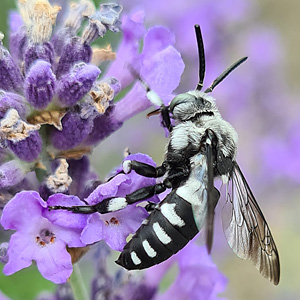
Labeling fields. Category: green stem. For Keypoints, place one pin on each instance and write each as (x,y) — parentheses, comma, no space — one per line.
(77,284)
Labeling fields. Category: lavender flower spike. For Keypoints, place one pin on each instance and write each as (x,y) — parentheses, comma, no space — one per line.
(74,85)
(40,84)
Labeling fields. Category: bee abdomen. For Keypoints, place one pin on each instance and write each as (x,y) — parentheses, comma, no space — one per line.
(167,230)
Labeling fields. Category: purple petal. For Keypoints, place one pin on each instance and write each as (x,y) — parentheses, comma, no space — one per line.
(133,31)
(93,231)
(54,263)
(123,184)
(73,86)
(70,237)
(29,203)
(115,234)
(109,189)
(27,149)
(198,276)
(15,21)
(40,84)
(163,70)
(19,253)
(65,219)
(157,39)
(4,297)
(113,227)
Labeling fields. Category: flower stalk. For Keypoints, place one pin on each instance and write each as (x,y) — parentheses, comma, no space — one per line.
(77,284)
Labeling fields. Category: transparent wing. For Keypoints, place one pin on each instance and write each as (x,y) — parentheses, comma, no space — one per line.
(246,229)
(201,193)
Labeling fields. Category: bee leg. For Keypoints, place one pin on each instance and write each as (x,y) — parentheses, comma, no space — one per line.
(144,169)
(116,203)
(150,206)
(113,204)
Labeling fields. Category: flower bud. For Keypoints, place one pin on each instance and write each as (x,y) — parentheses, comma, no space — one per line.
(27,149)
(74,85)
(40,84)
(74,51)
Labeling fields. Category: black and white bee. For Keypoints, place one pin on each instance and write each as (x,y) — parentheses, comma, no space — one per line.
(202,146)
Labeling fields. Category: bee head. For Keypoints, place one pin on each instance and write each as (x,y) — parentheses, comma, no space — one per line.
(193,104)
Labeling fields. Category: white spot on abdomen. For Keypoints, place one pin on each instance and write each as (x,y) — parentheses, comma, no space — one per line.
(135,259)
(149,250)
(161,234)
(168,210)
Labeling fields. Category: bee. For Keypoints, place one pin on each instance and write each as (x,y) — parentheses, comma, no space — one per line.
(201,147)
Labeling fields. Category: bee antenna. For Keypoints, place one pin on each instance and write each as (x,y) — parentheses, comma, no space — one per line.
(201,56)
(225,74)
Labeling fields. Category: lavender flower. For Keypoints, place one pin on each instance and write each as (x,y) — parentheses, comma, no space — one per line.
(40,239)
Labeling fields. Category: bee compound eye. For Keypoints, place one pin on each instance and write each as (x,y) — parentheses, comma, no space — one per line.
(181,98)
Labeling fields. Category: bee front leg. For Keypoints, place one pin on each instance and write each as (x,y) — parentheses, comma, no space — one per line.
(144,169)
